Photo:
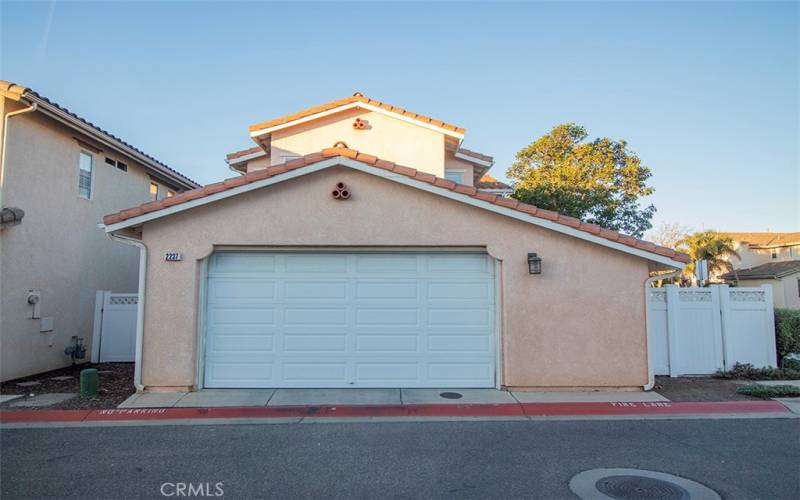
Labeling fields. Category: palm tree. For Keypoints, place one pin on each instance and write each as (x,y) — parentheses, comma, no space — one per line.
(716,248)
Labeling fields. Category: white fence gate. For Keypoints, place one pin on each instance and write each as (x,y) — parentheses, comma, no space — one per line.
(114,335)
(697,331)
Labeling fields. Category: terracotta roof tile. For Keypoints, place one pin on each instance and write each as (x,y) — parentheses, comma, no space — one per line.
(425,177)
(464,189)
(475,154)
(489,182)
(18,91)
(349,100)
(400,169)
(445,183)
(407,171)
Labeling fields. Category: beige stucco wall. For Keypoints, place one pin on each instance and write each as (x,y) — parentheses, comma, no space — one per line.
(259,163)
(387,137)
(572,326)
(58,249)
(751,257)
(453,163)
(785,291)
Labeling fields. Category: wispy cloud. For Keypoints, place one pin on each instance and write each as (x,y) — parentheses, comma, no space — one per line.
(47,25)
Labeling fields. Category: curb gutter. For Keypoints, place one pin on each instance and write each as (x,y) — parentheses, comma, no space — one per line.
(429,410)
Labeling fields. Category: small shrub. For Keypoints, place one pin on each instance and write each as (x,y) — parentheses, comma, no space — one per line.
(787,331)
(791,364)
(769,391)
(750,372)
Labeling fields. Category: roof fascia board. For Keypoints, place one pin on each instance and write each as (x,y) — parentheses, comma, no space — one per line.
(245,158)
(60,116)
(402,179)
(472,159)
(352,105)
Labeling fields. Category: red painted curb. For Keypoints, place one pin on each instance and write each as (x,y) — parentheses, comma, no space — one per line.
(9,417)
(652,408)
(430,410)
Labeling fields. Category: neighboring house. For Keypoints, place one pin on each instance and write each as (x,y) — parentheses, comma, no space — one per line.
(59,175)
(489,184)
(347,256)
(783,276)
(761,248)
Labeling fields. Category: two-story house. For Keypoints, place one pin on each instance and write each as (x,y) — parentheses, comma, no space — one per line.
(59,174)
(348,122)
(357,251)
(767,259)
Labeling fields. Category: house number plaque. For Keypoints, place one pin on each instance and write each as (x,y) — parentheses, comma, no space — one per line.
(173,256)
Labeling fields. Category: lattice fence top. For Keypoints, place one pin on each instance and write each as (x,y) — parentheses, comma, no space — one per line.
(121,300)
(694,295)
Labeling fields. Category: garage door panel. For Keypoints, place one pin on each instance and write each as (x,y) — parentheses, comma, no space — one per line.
(387,317)
(311,316)
(382,290)
(475,290)
(460,343)
(316,290)
(309,343)
(350,320)
(236,263)
(387,343)
(220,315)
(451,316)
(386,263)
(220,343)
(446,372)
(458,263)
(322,372)
(315,263)
(238,289)
(389,373)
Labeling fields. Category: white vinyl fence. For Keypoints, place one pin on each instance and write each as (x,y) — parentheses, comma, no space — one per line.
(697,331)
(114,335)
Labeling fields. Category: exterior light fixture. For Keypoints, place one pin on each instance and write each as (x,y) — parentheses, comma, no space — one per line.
(534,264)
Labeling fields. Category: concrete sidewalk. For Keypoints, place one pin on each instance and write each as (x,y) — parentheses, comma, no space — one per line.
(220,398)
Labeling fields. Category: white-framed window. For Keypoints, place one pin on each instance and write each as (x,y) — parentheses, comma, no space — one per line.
(85,175)
(456,176)
(153,191)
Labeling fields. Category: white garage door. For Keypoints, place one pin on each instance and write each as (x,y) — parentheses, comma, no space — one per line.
(350,320)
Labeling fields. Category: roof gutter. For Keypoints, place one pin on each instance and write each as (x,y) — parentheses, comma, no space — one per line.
(648,284)
(33,107)
(137,367)
(67,119)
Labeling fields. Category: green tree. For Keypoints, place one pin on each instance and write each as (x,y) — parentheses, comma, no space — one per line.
(716,248)
(599,181)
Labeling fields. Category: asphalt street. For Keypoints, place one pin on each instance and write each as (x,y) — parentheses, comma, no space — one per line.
(739,458)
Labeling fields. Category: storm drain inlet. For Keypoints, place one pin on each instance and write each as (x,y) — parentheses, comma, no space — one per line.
(636,484)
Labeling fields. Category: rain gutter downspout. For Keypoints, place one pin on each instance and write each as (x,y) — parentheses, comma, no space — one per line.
(29,109)
(651,377)
(137,367)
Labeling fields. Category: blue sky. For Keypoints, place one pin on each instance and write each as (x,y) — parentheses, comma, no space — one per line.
(707,94)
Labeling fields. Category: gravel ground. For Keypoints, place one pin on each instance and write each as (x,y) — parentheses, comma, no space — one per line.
(116,385)
(701,389)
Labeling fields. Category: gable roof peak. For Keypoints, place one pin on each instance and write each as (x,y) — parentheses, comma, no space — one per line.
(358,99)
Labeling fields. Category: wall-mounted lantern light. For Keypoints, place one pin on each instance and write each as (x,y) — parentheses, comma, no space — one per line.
(534,264)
